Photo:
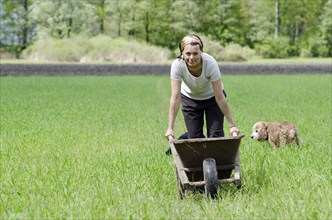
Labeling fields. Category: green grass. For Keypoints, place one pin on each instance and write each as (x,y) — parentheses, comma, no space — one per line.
(93,147)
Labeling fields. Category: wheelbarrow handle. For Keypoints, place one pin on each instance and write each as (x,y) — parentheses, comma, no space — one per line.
(170,138)
(234,134)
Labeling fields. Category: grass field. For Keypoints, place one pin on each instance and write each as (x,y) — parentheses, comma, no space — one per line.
(93,148)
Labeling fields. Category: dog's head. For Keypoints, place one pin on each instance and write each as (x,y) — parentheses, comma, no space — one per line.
(259,131)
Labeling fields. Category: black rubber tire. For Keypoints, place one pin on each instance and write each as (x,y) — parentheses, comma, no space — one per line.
(210,177)
(238,184)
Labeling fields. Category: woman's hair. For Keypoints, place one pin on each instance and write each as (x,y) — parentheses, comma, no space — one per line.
(191,39)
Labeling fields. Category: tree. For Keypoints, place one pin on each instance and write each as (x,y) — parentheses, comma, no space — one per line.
(101,13)
(114,17)
(122,19)
(276,19)
(61,19)
(326,26)
(300,19)
(262,20)
(17,29)
(226,21)
(294,25)
(156,23)
(300,22)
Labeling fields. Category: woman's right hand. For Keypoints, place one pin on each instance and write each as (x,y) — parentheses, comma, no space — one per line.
(169,132)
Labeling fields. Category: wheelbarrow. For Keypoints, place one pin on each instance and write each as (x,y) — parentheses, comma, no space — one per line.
(204,164)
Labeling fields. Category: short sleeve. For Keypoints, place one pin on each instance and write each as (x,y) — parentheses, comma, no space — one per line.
(214,71)
(176,70)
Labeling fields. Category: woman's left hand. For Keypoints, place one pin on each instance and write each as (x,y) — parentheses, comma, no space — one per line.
(234,130)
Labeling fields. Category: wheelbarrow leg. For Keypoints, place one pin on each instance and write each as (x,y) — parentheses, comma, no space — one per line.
(181,189)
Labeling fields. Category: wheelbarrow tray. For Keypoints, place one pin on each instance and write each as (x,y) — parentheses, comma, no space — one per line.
(189,155)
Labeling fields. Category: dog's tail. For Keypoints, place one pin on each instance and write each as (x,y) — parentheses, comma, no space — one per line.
(297,139)
(294,135)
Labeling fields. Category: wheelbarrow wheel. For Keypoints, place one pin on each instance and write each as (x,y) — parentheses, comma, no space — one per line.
(210,177)
(180,186)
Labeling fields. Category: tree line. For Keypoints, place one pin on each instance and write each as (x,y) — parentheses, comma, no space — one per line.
(274,28)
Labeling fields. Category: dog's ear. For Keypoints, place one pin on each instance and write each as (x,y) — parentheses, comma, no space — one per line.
(264,133)
(265,125)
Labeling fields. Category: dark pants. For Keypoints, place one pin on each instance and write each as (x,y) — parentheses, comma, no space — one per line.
(194,112)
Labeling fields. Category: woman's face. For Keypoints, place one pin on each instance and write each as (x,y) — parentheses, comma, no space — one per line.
(192,55)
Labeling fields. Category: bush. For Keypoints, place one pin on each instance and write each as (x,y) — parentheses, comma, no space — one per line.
(5,53)
(214,48)
(236,53)
(275,47)
(97,49)
(314,47)
(318,47)
(57,50)
(305,53)
(209,46)
(231,53)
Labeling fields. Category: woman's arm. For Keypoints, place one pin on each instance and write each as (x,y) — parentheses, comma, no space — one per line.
(173,106)
(223,105)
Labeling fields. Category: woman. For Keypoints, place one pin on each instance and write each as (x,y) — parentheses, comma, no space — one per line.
(195,80)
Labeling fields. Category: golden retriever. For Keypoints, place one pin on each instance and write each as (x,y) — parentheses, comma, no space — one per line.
(276,133)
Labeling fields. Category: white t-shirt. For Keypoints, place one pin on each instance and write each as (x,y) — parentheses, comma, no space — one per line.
(197,88)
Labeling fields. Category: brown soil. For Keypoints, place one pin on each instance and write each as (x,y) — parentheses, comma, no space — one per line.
(117,69)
